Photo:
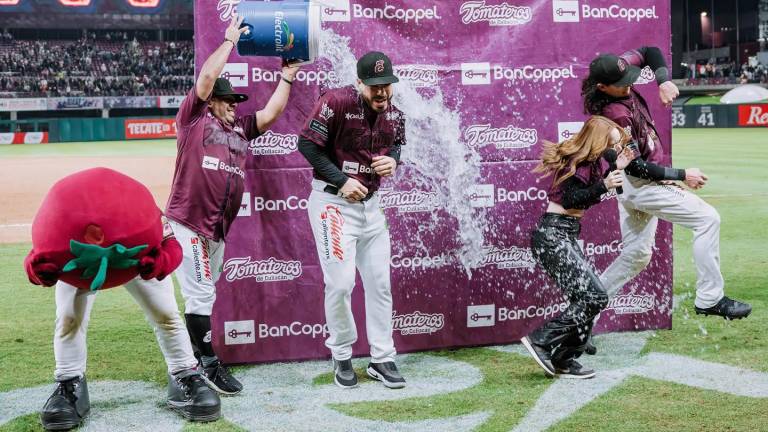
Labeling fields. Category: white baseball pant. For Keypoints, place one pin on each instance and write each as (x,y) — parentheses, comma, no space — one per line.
(199,270)
(640,206)
(156,298)
(348,236)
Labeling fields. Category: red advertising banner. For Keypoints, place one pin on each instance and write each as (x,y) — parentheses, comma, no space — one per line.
(150,128)
(753,115)
(24,138)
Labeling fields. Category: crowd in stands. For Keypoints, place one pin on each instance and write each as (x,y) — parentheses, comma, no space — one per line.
(107,65)
(726,73)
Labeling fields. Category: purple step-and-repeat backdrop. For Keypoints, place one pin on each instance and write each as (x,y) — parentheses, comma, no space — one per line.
(512,71)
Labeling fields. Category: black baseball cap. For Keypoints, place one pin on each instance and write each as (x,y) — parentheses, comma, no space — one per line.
(375,68)
(613,70)
(222,87)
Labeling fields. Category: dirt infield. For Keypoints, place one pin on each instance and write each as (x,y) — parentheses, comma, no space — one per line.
(25,181)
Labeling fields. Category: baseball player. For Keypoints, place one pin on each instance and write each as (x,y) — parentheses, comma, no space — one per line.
(352,139)
(208,187)
(650,192)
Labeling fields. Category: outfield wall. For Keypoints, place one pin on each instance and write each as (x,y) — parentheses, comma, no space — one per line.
(720,116)
(88,129)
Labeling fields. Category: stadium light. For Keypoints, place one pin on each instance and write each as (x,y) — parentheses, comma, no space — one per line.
(703,14)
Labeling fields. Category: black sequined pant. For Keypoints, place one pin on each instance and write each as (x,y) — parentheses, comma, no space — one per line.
(556,250)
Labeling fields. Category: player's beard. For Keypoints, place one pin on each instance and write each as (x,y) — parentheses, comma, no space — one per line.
(380,103)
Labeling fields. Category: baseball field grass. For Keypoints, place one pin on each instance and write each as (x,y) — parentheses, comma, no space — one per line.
(511,389)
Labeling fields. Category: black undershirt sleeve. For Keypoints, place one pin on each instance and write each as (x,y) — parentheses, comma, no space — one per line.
(655,60)
(394,152)
(651,171)
(321,162)
(577,195)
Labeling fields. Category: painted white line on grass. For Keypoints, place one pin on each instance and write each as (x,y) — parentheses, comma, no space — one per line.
(277,397)
(618,358)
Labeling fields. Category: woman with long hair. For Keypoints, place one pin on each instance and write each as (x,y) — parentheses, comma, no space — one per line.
(580,176)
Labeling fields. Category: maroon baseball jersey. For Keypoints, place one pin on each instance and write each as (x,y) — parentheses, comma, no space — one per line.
(210,168)
(633,115)
(340,123)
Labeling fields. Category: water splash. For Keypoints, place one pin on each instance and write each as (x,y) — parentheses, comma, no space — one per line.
(438,160)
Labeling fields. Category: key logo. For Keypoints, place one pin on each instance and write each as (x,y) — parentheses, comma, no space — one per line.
(481,315)
(475,73)
(239,332)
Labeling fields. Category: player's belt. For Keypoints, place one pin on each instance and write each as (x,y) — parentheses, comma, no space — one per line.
(333,190)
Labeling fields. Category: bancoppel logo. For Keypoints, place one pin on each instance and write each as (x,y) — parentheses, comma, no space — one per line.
(565,10)
(295,328)
(418,75)
(335,10)
(226,8)
(268,270)
(591,249)
(272,144)
(631,304)
(349,167)
(417,323)
(546,312)
(495,14)
(507,258)
(646,76)
(568,130)
(245,205)
(291,203)
(533,73)
(392,13)
(308,77)
(481,315)
(618,12)
(326,113)
(211,163)
(510,137)
(239,332)
(236,73)
(530,194)
(419,262)
(475,73)
(409,201)
(569,11)
(481,195)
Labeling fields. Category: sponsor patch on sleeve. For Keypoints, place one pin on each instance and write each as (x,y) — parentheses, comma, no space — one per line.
(320,128)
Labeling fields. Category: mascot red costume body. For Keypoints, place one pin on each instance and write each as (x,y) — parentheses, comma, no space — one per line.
(99,229)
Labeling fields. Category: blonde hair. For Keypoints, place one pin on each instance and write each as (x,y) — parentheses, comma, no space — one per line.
(587,145)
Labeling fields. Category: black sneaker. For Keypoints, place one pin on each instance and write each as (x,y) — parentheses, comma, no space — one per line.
(541,355)
(189,395)
(727,308)
(220,379)
(68,405)
(387,373)
(344,374)
(573,369)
